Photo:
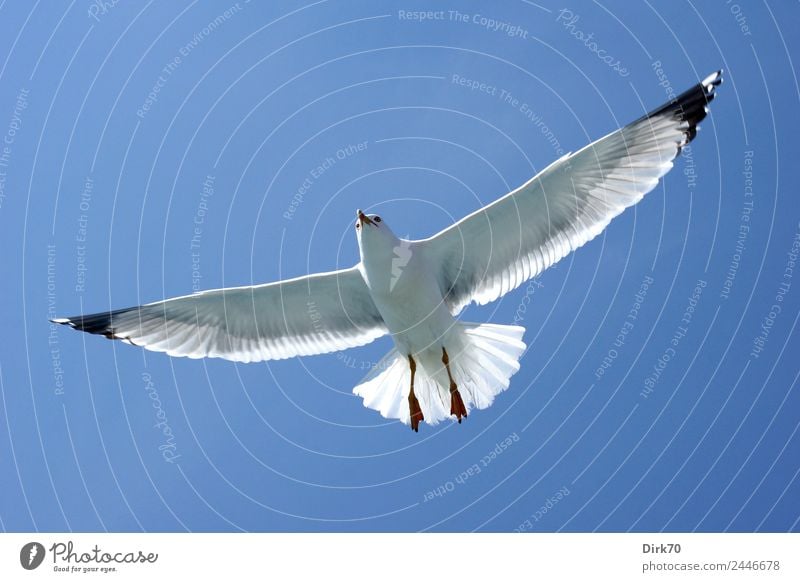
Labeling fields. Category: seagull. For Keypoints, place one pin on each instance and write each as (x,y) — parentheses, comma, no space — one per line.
(440,367)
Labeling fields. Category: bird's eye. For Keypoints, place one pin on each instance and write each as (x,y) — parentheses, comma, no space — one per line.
(358,226)
(377,219)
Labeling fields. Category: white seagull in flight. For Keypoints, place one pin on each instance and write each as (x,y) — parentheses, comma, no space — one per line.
(440,367)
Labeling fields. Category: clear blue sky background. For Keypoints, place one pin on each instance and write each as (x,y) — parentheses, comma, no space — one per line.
(261,98)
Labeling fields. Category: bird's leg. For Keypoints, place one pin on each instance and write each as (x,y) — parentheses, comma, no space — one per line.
(413,403)
(456,403)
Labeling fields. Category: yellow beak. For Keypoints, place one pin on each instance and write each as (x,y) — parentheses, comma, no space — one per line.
(363,218)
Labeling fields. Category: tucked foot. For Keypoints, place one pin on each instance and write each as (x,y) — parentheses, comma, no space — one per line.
(456,403)
(413,404)
(457,407)
(416,412)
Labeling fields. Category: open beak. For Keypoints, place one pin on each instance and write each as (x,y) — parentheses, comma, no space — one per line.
(363,218)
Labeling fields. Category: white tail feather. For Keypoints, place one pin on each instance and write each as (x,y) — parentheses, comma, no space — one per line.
(482,363)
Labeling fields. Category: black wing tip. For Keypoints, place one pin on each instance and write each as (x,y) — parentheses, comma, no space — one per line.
(712,81)
(96,323)
(692,106)
(709,86)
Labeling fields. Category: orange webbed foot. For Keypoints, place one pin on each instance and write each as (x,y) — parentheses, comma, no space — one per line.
(457,407)
(416,412)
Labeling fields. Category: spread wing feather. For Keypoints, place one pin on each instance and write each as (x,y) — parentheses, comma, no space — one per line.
(309,315)
(502,245)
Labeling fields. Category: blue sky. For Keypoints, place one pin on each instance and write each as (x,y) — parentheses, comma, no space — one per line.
(151,149)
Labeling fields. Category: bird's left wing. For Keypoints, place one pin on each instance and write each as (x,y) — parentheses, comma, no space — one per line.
(309,315)
(502,245)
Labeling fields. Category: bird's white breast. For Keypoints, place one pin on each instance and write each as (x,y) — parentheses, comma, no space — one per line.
(405,290)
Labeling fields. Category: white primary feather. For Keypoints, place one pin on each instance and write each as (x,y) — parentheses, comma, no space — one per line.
(310,315)
(502,245)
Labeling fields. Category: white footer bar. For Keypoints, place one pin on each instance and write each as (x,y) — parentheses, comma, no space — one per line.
(404,557)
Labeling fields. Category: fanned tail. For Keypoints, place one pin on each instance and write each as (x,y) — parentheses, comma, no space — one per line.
(483,357)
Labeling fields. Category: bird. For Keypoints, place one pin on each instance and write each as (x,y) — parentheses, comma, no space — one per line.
(414,290)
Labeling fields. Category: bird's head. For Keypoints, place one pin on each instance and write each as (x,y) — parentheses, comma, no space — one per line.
(373,233)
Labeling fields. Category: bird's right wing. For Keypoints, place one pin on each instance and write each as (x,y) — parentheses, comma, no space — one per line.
(309,315)
(500,246)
